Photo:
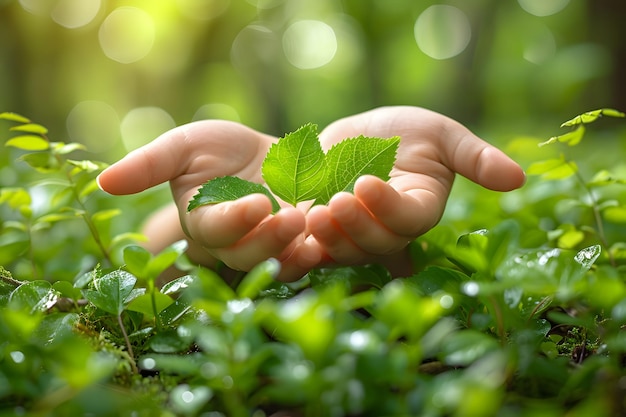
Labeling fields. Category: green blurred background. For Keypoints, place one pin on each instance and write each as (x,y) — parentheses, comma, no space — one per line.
(114,74)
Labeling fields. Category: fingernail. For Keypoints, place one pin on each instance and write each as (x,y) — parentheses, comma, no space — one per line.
(98,183)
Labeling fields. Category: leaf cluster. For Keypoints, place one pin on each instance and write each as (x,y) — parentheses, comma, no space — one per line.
(510,319)
(296,169)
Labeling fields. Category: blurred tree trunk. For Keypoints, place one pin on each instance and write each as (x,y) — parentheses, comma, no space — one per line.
(608,27)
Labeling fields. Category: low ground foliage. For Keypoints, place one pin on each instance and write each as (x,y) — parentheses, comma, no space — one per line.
(523,317)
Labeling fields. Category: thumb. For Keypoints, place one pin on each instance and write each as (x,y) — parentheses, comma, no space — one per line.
(145,167)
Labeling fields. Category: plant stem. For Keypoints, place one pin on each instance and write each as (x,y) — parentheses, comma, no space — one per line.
(596,214)
(128,345)
(5,276)
(85,214)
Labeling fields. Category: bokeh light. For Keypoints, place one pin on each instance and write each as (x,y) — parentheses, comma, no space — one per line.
(202,9)
(94,124)
(309,44)
(127,34)
(73,14)
(442,31)
(543,7)
(541,45)
(144,124)
(216,111)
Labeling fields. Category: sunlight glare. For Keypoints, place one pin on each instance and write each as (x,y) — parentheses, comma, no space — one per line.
(127,34)
(442,31)
(543,7)
(144,124)
(309,44)
(73,14)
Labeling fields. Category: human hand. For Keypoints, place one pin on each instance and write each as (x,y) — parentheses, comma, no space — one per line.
(240,233)
(381,218)
(372,225)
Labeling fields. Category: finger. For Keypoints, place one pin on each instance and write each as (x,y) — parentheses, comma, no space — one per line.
(189,149)
(223,224)
(272,238)
(477,160)
(406,214)
(336,243)
(305,256)
(427,135)
(364,229)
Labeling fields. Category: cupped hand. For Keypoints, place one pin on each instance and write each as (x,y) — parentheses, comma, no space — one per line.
(381,218)
(374,224)
(240,233)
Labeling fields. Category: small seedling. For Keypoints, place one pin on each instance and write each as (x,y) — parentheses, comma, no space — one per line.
(296,169)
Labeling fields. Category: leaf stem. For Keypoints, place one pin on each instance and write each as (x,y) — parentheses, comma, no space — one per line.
(85,214)
(7,278)
(596,215)
(128,345)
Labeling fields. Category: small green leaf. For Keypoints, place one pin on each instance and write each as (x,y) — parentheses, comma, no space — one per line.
(352,158)
(28,143)
(223,189)
(604,177)
(60,148)
(571,138)
(15,197)
(86,166)
(144,303)
(136,259)
(35,296)
(166,258)
(14,117)
(294,167)
(31,128)
(104,215)
(41,161)
(465,347)
(552,169)
(111,291)
(592,116)
(57,217)
(176,285)
(259,278)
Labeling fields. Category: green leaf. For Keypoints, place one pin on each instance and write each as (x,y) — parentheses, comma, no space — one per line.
(352,158)
(111,291)
(294,167)
(148,303)
(176,285)
(571,138)
(34,296)
(553,169)
(223,189)
(86,166)
(28,143)
(465,347)
(166,258)
(57,217)
(30,128)
(136,259)
(259,278)
(15,197)
(60,148)
(104,215)
(14,117)
(592,116)
(604,177)
(142,264)
(41,161)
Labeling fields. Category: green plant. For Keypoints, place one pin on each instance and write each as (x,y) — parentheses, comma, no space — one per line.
(296,169)
(512,319)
